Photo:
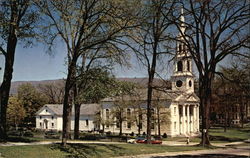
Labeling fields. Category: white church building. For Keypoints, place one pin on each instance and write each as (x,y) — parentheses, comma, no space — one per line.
(181,103)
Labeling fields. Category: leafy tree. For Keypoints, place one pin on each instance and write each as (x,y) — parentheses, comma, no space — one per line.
(235,84)
(17,23)
(15,112)
(84,27)
(213,31)
(92,85)
(31,100)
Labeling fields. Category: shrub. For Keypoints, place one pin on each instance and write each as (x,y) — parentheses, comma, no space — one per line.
(165,135)
(132,134)
(108,133)
(28,134)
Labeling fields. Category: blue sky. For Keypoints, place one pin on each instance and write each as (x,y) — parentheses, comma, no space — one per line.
(34,64)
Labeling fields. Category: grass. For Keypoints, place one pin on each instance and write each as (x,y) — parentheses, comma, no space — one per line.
(88,150)
(36,151)
(231,135)
(217,135)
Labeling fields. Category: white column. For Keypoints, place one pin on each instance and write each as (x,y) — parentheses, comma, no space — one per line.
(188,119)
(194,119)
(197,118)
(183,119)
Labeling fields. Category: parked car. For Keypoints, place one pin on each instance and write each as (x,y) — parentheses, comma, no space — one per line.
(153,141)
(140,139)
(131,141)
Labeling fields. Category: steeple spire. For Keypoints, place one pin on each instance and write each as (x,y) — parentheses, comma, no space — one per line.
(182,20)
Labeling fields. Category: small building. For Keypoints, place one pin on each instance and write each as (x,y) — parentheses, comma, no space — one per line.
(49,117)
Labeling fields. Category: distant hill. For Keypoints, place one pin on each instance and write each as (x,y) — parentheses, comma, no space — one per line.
(16,84)
(141,81)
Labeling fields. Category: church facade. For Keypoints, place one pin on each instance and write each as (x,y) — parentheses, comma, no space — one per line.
(177,116)
(180,103)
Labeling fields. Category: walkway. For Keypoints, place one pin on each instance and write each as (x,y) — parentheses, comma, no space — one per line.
(240,152)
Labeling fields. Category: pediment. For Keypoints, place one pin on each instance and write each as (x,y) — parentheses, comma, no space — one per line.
(187,97)
(45,111)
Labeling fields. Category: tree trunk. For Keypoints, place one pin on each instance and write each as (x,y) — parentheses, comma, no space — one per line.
(205,98)
(120,121)
(77,119)
(225,122)
(158,121)
(67,104)
(7,77)
(140,123)
(149,108)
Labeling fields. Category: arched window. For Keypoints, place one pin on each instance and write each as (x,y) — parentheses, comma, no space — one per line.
(180,48)
(128,113)
(179,66)
(190,83)
(107,113)
(107,117)
(188,65)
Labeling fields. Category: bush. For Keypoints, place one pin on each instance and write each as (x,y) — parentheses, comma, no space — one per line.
(28,134)
(15,133)
(108,133)
(132,134)
(51,135)
(165,135)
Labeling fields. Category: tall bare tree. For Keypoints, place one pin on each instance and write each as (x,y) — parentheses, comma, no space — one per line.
(151,44)
(17,21)
(84,26)
(214,30)
(53,91)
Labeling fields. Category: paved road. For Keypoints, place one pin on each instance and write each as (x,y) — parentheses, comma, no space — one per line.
(240,152)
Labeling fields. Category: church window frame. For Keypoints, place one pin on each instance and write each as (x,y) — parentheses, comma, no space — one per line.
(190,83)
(179,66)
(180,48)
(188,66)
(179,83)
(87,122)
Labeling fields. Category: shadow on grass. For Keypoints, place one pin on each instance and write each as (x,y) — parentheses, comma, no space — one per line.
(88,150)
(20,139)
(222,138)
(204,156)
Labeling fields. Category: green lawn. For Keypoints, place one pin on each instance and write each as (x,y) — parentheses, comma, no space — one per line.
(87,150)
(231,135)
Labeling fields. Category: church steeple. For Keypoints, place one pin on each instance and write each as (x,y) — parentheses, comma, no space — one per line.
(182,78)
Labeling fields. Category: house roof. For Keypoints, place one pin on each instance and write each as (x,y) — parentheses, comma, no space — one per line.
(169,95)
(86,109)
